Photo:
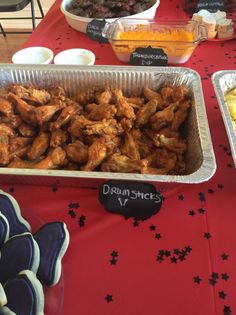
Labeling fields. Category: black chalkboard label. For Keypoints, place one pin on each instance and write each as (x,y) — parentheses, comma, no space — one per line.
(148,57)
(94,30)
(130,199)
(210,5)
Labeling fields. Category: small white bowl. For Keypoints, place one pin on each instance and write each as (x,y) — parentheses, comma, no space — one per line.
(33,55)
(75,56)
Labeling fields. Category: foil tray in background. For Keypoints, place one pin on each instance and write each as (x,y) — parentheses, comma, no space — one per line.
(224,81)
(200,159)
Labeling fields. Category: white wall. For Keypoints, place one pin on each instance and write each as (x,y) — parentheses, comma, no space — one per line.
(46,4)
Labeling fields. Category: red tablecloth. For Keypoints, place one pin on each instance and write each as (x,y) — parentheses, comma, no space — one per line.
(181,260)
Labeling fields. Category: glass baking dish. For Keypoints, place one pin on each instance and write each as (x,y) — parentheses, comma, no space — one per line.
(177,39)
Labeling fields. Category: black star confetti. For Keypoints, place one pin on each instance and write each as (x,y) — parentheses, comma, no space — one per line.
(215,275)
(114,253)
(224,276)
(191,212)
(224,256)
(11,189)
(220,186)
(158,236)
(109,298)
(152,227)
(188,249)
(210,191)
(72,214)
(207,235)
(81,220)
(173,260)
(201,211)
(181,197)
(197,279)
(167,253)
(222,295)
(227,310)
(212,281)
(202,196)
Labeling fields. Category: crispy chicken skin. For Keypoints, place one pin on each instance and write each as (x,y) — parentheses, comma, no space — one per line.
(77,152)
(121,164)
(130,147)
(39,146)
(162,118)
(55,159)
(4,150)
(145,112)
(31,94)
(27,112)
(124,109)
(6,107)
(95,130)
(96,154)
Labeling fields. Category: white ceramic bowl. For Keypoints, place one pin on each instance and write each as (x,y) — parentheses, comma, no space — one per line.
(33,55)
(79,23)
(75,56)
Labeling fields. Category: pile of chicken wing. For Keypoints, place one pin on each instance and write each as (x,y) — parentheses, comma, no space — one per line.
(94,130)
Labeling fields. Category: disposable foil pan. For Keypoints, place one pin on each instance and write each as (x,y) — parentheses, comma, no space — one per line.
(200,157)
(224,81)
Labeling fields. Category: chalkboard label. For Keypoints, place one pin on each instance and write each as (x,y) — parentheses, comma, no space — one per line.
(94,30)
(148,57)
(210,5)
(130,199)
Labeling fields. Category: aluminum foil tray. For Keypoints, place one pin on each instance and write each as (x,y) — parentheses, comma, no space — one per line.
(224,81)
(200,159)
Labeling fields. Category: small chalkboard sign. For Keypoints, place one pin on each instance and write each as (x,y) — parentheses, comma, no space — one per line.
(130,199)
(148,56)
(210,5)
(94,30)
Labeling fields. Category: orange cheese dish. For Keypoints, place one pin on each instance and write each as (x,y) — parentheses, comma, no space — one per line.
(170,35)
(178,44)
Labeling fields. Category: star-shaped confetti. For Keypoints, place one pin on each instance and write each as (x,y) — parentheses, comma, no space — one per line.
(227,310)
(109,298)
(207,235)
(222,295)
(202,196)
(197,279)
(158,236)
(215,275)
(73,205)
(224,256)
(191,212)
(220,186)
(212,281)
(210,191)
(201,211)
(224,276)
(72,214)
(188,249)
(173,260)
(152,227)
(181,197)
(114,253)
(81,220)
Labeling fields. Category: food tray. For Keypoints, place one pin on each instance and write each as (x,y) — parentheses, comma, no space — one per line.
(200,159)
(224,81)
